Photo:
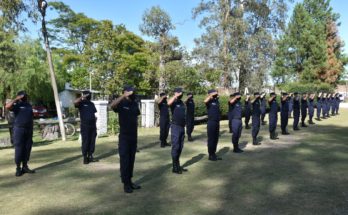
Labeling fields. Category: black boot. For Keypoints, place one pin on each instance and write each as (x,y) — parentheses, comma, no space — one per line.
(176,168)
(236,148)
(304,125)
(182,169)
(92,159)
(189,138)
(18,172)
(135,186)
(127,188)
(311,122)
(255,142)
(247,127)
(296,129)
(26,169)
(166,143)
(163,144)
(85,160)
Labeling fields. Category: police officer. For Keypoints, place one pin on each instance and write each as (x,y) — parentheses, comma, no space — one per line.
(284,113)
(291,102)
(255,120)
(304,106)
(296,110)
(247,111)
(178,110)
(88,125)
(236,123)
(128,111)
(338,101)
(319,106)
(263,108)
(333,104)
(328,105)
(311,108)
(324,105)
(273,115)
(164,119)
(22,131)
(229,114)
(190,116)
(213,125)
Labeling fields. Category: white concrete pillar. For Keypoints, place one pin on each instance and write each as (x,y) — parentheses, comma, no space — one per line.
(148,113)
(102,117)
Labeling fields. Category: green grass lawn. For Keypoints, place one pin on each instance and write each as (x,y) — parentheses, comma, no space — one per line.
(304,173)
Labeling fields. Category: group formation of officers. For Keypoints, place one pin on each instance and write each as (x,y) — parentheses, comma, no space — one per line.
(182,116)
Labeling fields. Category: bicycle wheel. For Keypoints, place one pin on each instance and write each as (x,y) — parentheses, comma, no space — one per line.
(69,129)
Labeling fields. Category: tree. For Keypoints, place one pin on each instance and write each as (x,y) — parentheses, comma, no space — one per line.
(157,24)
(239,38)
(301,52)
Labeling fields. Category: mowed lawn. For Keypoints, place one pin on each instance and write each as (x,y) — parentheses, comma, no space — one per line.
(303,173)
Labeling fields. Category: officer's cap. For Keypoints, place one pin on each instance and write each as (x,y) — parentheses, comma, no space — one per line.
(190,94)
(272,94)
(211,91)
(178,90)
(295,93)
(85,92)
(21,93)
(236,94)
(128,88)
(162,94)
(284,94)
(256,94)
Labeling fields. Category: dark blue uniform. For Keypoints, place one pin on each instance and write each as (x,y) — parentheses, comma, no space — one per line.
(237,127)
(190,117)
(263,109)
(311,109)
(273,117)
(304,106)
(247,108)
(213,125)
(22,132)
(164,121)
(324,107)
(291,102)
(338,101)
(333,105)
(128,112)
(255,120)
(284,115)
(319,106)
(296,109)
(178,128)
(88,126)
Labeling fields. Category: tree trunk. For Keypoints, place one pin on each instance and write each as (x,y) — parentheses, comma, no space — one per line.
(226,70)
(161,83)
(242,78)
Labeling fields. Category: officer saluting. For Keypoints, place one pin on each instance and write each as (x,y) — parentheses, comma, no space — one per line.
(128,111)
(324,106)
(304,106)
(177,107)
(273,116)
(164,119)
(284,114)
(263,108)
(190,116)
(88,125)
(22,131)
(256,113)
(247,111)
(236,121)
(311,108)
(319,106)
(213,125)
(296,109)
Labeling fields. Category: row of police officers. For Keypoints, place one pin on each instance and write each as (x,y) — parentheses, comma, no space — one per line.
(182,116)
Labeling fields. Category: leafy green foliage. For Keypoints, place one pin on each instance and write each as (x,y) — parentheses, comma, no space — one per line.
(307,88)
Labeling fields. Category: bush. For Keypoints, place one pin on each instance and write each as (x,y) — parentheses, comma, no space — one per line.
(306,88)
(113,126)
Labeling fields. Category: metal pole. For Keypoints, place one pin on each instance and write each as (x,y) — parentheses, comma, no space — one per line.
(53,79)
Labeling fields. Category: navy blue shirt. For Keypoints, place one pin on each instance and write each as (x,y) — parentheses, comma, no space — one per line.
(128,112)
(164,109)
(23,112)
(190,106)
(319,100)
(285,106)
(87,112)
(304,104)
(247,106)
(256,108)
(273,106)
(178,113)
(296,105)
(236,110)
(213,109)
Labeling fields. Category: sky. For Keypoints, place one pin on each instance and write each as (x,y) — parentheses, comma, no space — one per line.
(129,13)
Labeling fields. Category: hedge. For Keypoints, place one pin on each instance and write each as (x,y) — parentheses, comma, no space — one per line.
(307,88)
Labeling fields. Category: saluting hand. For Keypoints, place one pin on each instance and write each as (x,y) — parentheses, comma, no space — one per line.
(19,97)
(127,93)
